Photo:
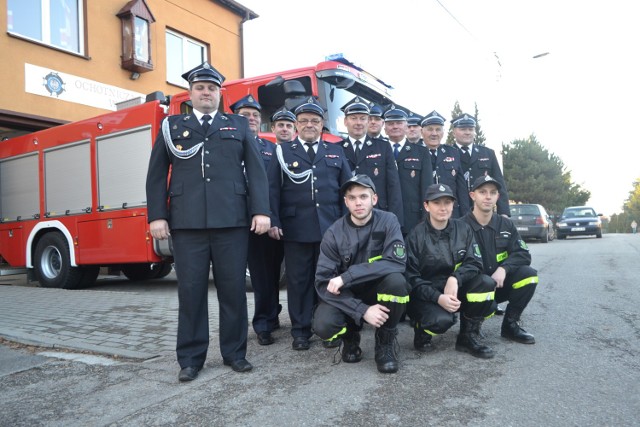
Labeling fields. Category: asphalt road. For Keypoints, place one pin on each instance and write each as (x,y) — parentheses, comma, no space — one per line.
(584,369)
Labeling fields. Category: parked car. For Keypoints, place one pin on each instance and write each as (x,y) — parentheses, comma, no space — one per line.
(579,221)
(532,221)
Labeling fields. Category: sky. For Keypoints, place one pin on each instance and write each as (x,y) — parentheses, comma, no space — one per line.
(581,100)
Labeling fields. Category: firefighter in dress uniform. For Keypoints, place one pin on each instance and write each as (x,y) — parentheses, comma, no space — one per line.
(414,134)
(376,123)
(214,165)
(477,160)
(359,277)
(304,191)
(371,157)
(265,253)
(444,270)
(505,257)
(445,161)
(414,168)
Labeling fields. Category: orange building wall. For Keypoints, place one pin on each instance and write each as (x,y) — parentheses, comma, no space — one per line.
(203,20)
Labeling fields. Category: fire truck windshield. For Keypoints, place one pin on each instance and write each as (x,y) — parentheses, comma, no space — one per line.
(333,95)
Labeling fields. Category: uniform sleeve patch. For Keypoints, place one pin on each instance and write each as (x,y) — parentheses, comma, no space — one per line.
(399,251)
(523,245)
(476,251)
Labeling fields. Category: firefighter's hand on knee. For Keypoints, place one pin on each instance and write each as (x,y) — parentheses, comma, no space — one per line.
(260,224)
(376,315)
(334,285)
(275,233)
(159,229)
(449,303)
(499,275)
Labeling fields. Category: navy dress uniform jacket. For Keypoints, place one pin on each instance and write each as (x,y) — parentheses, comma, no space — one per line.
(305,211)
(194,199)
(377,162)
(414,169)
(484,162)
(267,150)
(449,171)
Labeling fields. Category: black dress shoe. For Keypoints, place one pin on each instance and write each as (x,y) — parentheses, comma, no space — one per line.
(188,374)
(240,365)
(301,343)
(265,338)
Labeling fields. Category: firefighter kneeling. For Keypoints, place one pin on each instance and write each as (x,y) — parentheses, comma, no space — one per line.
(444,269)
(359,277)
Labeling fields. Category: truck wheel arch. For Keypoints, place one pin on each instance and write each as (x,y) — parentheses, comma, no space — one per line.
(42,228)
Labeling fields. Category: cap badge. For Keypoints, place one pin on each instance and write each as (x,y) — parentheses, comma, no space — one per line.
(250,99)
(441,188)
(206,66)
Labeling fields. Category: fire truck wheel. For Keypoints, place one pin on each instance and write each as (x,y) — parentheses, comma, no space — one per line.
(52,263)
(146,271)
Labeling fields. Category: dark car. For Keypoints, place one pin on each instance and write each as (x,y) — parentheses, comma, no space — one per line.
(532,222)
(579,221)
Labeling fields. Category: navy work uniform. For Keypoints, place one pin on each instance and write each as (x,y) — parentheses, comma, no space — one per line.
(477,160)
(370,259)
(265,254)
(414,169)
(374,158)
(433,256)
(445,163)
(209,215)
(305,201)
(502,246)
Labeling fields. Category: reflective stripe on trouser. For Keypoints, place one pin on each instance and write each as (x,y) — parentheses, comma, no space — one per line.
(519,287)
(329,322)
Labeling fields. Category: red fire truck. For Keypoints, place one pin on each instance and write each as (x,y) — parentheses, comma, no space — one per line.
(72,197)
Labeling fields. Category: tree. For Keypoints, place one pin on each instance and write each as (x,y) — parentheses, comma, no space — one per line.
(454,113)
(480,138)
(632,204)
(534,175)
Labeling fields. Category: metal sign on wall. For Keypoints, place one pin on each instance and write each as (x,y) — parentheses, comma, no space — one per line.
(67,87)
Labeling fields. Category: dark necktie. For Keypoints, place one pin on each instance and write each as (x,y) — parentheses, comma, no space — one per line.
(358,148)
(205,123)
(433,158)
(466,157)
(310,152)
(396,150)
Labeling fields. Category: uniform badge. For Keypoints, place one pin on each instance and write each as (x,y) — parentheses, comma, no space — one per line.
(185,133)
(179,147)
(375,171)
(175,127)
(295,164)
(453,172)
(399,251)
(476,251)
(345,145)
(523,245)
(413,174)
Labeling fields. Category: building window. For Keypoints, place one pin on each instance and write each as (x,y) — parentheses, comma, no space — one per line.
(183,54)
(57,23)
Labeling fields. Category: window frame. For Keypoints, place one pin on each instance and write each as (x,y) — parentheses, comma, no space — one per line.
(81,24)
(185,39)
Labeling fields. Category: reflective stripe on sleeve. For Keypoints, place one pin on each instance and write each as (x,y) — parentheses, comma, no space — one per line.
(457,265)
(502,256)
(375,258)
(525,282)
(393,298)
(341,332)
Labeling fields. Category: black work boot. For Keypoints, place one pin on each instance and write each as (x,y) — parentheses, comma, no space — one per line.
(351,352)
(469,340)
(422,341)
(512,330)
(386,351)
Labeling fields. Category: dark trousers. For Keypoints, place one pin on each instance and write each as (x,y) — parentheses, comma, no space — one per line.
(265,260)
(194,250)
(300,260)
(477,301)
(330,322)
(519,287)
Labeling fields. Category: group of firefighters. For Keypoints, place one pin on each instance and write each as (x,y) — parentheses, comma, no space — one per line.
(371,229)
